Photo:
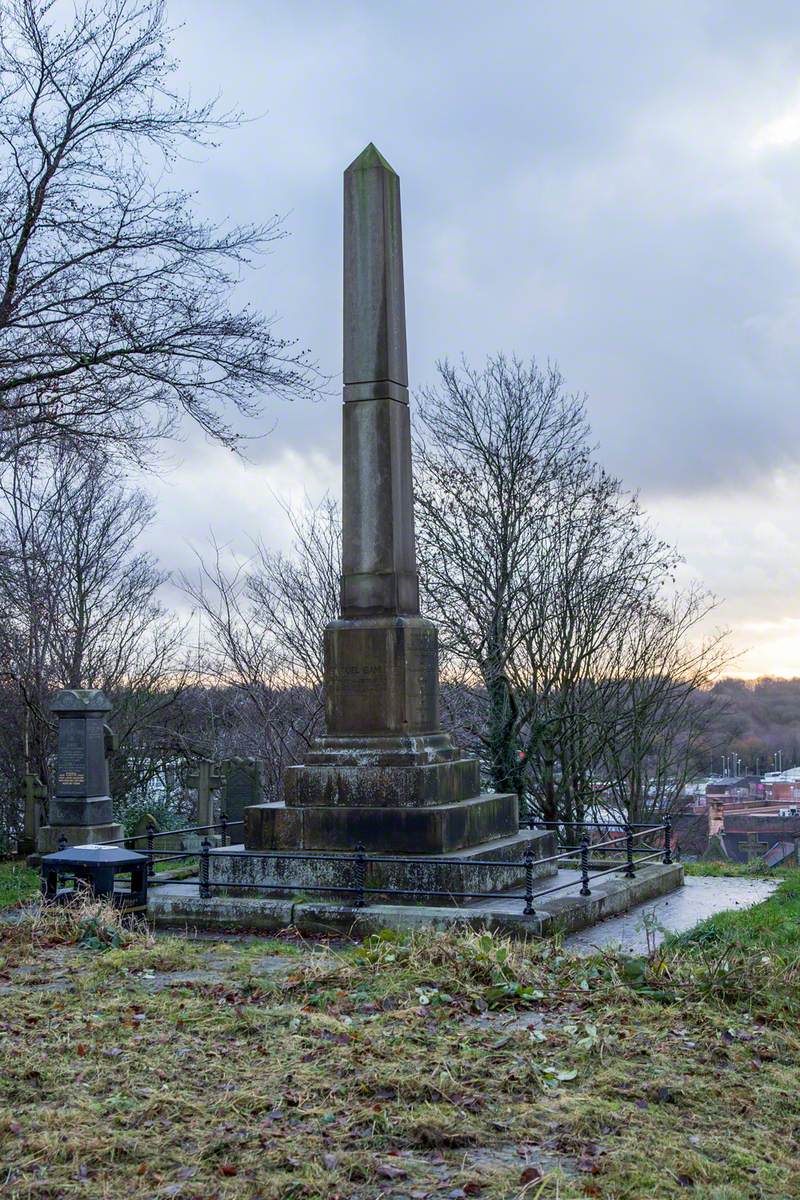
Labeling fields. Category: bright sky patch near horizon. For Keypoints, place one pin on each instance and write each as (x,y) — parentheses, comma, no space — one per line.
(609,186)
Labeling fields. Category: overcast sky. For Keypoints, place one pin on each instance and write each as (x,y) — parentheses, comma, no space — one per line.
(613,186)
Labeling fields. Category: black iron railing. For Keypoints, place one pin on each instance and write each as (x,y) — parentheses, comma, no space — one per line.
(156,856)
(357,868)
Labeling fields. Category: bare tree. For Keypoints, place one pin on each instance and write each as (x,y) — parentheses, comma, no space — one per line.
(654,703)
(262,620)
(115,313)
(491,449)
(548,587)
(80,606)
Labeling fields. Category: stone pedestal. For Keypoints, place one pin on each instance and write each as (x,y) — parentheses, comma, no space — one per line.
(412,878)
(81,809)
(77,835)
(386,777)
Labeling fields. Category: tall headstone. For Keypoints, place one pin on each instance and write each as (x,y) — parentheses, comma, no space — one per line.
(385,774)
(81,809)
(243,788)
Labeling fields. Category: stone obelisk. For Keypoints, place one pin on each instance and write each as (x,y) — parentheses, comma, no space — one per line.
(385,774)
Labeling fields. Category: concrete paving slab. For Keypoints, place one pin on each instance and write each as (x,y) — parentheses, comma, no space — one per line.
(700,897)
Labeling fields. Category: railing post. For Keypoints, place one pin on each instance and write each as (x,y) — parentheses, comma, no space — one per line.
(151,862)
(205,890)
(360,875)
(630,873)
(223,820)
(60,877)
(585,866)
(528,859)
(667,839)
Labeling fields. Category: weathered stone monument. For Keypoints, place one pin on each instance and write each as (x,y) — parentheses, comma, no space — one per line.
(244,787)
(204,779)
(80,809)
(385,775)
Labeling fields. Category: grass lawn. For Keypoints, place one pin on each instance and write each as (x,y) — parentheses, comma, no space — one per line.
(17,882)
(749,870)
(442,1066)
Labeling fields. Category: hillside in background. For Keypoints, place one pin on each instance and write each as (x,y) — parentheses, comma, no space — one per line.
(755,719)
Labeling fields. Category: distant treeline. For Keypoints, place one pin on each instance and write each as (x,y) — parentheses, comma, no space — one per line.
(754,720)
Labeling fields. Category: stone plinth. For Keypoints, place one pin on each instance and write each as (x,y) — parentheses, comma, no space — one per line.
(77,835)
(385,775)
(435,829)
(613,894)
(382,772)
(435,882)
(381,677)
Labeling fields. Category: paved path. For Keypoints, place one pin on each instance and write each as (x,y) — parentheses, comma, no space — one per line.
(700,897)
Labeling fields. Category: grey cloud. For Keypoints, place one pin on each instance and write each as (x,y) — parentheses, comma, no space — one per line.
(573,188)
(612,186)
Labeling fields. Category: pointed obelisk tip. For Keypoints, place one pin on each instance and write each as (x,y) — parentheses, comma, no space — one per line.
(370,157)
(374,304)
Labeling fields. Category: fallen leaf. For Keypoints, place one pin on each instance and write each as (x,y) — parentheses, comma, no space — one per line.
(228,1169)
(387,1171)
(530,1175)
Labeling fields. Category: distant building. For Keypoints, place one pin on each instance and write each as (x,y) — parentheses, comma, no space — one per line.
(783,787)
(757,832)
(750,815)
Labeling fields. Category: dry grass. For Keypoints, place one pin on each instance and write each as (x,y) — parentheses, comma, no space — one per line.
(402,1068)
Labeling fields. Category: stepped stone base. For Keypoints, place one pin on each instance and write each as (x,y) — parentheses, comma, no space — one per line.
(436,829)
(433,881)
(92,811)
(397,771)
(181,907)
(77,835)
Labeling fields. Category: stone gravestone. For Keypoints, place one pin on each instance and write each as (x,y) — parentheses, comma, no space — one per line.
(752,847)
(138,839)
(35,796)
(80,809)
(243,788)
(385,774)
(204,779)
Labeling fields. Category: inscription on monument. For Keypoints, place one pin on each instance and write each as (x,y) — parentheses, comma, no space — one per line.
(360,678)
(71,756)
